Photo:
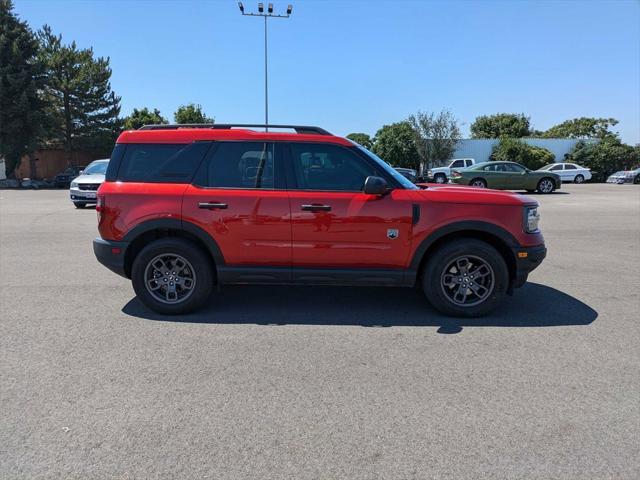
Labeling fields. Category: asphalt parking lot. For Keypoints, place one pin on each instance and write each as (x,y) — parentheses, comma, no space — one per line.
(360,383)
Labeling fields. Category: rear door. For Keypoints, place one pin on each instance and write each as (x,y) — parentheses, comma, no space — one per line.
(239,198)
(336,225)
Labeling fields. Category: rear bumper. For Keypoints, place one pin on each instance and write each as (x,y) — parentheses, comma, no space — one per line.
(111,255)
(527,260)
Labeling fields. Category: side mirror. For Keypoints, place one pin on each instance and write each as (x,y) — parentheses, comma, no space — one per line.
(375,186)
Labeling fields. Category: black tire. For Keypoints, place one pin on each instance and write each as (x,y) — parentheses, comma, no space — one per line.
(636,180)
(579,179)
(200,264)
(80,204)
(543,188)
(437,267)
(440,178)
(478,182)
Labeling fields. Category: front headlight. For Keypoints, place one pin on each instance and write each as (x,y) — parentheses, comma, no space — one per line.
(74,184)
(531,219)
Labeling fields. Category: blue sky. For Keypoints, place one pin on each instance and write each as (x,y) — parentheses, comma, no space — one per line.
(353,66)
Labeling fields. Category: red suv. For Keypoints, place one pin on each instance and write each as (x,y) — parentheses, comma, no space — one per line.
(184,208)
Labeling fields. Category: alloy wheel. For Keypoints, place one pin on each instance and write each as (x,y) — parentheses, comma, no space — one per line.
(467,280)
(170,278)
(546,185)
(478,183)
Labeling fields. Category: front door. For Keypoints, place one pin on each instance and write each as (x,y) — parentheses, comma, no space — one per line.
(239,198)
(336,225)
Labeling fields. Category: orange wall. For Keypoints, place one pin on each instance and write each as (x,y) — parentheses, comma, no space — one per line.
(51,162)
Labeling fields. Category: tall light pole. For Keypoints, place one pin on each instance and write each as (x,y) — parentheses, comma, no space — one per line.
(267,15)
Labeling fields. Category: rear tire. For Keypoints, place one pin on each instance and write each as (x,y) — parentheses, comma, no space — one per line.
(546,185)
(186,264)
(478,183)
(578,179)
(79,204)
(443,281)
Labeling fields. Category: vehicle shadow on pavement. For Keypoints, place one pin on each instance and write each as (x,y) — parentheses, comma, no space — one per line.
(533,305)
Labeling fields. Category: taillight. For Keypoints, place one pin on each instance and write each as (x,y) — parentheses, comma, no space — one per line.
(100,204)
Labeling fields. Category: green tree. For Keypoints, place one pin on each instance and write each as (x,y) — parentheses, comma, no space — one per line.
(81,107)
(144,116)
(191,113)
(605,157)
(361,139)
(436,136)
(583,128)
(395,144)
(514,150)
(514,125)
(21,113)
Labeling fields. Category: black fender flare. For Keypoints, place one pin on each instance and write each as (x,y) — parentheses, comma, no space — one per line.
(467,226)
(176,224)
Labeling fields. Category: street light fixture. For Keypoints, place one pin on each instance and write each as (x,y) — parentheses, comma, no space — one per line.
(267,15)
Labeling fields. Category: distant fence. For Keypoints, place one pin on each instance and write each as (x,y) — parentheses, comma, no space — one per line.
(481,148)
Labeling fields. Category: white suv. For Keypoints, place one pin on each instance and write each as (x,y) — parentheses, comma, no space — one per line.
(442,174)
(85,187)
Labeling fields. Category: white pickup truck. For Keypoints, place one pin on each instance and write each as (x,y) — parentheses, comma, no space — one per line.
(442,174)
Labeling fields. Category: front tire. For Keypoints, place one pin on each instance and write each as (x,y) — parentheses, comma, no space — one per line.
(546,185)
(578,179)
(172,276)
(440,178)
(478,183)
(465,278)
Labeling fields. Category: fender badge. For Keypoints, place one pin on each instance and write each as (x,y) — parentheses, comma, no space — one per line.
(392,233)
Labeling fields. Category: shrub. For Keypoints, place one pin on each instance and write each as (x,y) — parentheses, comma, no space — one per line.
(514,150)
(605,157)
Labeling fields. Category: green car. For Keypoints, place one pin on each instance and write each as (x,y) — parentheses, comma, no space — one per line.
(507,176)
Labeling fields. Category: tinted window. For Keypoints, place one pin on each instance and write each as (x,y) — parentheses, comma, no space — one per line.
(457,164)
(329,167)
(556,167)
(96,168)
(161,163)
(469,162)
(568,166)
(512,167)
(240,165)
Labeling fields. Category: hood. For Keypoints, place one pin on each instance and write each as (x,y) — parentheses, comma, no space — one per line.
(472,195)
(89,179)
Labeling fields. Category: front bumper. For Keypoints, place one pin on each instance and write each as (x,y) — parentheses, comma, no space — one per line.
(111,254)
(88,196)
(527,260)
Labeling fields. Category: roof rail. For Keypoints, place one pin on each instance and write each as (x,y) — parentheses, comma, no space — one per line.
(227,126)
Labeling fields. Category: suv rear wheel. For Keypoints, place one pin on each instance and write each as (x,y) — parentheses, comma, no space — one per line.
(465,278)
(172,276)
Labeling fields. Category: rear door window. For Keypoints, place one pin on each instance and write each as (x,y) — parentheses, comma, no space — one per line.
(161,163)
(568,166)
(246,165)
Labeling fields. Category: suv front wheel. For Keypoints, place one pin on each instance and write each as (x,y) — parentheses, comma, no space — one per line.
(465,278)
(172,276)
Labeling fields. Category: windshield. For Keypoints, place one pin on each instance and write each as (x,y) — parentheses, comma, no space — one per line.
(547,167)
(96,168)
(391,171)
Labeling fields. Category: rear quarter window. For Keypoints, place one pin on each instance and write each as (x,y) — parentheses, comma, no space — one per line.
(161,163)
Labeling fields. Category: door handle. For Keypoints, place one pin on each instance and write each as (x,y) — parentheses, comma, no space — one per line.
(213,205)
(315,208)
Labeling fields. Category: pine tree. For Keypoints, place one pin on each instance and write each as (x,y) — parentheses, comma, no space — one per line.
(20,107)
(82,109)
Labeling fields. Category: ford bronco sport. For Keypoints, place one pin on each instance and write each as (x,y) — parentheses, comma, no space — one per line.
(184,208)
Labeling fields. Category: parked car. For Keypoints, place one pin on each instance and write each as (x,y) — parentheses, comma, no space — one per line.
(63,179)
(443,174)
(183,209)
(625,176)
(83,189)
(568,172)
(507,176)
(408,173)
